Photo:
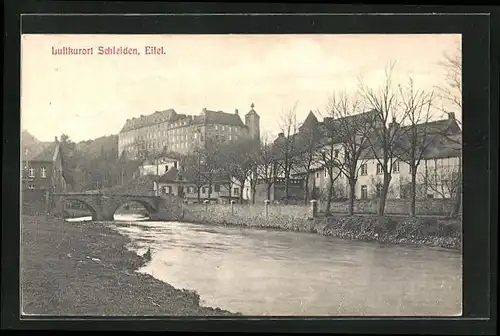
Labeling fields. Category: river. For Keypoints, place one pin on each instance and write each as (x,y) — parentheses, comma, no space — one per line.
(263,272)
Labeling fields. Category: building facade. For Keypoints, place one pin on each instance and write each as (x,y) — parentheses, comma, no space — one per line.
(44,171)
(438,172)
(172,182)
(169,131)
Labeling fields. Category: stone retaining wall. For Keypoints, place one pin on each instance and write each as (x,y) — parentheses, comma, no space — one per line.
(440,207)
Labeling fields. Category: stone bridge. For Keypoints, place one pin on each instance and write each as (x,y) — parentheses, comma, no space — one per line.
(103,206)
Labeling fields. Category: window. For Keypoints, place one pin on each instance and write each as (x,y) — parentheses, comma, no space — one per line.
(32,172)
(236,191)
(395,167)
(217,188)
(336,153)
(364,192)
(430,196)
(43,172)
(317,175)
(364,169)
(379,169)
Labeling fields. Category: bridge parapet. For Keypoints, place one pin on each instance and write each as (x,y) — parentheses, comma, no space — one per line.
(103,206)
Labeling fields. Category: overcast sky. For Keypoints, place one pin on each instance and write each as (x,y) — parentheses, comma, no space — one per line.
(88,96)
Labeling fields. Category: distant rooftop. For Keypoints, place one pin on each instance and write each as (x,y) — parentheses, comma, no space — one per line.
(170,115)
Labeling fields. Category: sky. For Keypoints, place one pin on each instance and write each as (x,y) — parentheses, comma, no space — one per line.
(88,96)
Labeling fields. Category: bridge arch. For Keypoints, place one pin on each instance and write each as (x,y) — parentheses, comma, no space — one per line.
(92,210)
(148,205)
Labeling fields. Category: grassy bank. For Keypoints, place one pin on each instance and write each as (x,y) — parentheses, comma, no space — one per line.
(432,232)
(85,269)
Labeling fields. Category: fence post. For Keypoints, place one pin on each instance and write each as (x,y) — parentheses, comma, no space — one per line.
(266,202)
(314,208)
(232,207)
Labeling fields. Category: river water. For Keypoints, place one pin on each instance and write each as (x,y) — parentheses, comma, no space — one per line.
(264,272)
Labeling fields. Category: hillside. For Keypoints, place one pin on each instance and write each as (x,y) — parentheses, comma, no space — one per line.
(92,149)
(31,145)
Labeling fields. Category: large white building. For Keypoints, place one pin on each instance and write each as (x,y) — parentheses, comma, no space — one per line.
(438,172)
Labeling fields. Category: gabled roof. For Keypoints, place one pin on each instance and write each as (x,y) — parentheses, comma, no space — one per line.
(151,119)
(310,122)
(49,154)
(436,139)
(171,175)
(218,117)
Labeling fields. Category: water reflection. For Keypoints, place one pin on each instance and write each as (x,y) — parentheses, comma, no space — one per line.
(261,272)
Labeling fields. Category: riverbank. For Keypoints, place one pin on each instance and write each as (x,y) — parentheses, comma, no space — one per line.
(84,268)
(398,230)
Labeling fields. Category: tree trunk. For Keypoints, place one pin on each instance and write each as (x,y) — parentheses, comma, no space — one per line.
(287,182)
(383,196)
(306,189)
(209,191)
(242,185)
(198,191)
(352,191)
(269,191)
(458,197)
(253,193)
(329,196)
(413,191)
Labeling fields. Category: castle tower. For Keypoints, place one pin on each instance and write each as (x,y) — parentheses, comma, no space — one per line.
(252,121)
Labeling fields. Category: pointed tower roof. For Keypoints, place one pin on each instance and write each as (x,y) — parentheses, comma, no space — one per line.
(252,111)
(310,121)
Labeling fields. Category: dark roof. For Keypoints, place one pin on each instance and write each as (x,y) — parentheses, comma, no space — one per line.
(310,122)
(205,117)
(316,132)
(218,117)
(438,139)
(151,119)
(48,154)
(170,176)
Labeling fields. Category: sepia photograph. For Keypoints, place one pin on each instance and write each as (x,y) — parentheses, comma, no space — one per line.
(241,175)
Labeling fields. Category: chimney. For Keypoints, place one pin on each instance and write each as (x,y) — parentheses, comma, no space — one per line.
(451,115)
(236,111)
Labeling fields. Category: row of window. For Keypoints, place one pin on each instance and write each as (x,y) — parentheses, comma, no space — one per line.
(43,172)
(380,170)
(204,190)
(177,134)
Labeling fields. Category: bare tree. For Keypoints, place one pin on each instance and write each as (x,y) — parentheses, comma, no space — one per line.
(286,146)
(381,135)
(348,127)
(452,93)
(267,167)
(309,136)
(444,181)
(193,170)
(211,162)
(413,140)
